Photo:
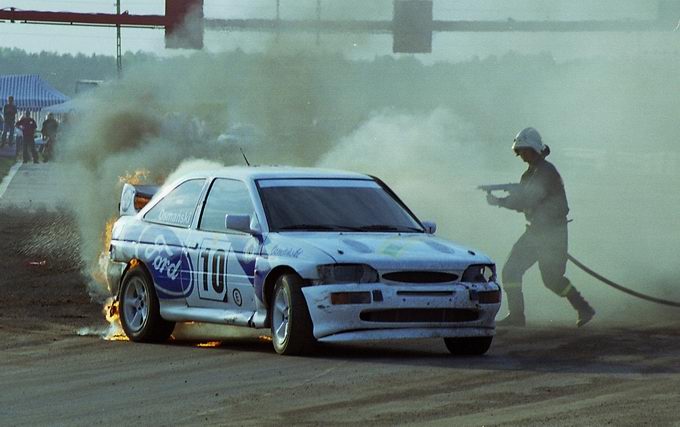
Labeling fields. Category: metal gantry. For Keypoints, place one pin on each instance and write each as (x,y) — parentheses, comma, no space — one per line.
(666,20)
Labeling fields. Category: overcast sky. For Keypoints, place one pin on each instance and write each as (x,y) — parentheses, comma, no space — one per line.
(446,46)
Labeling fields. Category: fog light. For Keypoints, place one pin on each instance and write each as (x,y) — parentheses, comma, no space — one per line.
(492,297)
(338,298)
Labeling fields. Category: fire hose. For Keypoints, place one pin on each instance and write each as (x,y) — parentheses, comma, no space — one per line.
(512,187)
(614,285)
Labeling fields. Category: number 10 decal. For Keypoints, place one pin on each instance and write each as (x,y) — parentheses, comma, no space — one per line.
(212,276)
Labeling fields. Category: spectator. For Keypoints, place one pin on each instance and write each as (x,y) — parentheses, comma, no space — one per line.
(49,131)
(28,127)
(9,113)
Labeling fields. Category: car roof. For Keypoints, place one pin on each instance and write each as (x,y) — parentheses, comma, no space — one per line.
(272,172)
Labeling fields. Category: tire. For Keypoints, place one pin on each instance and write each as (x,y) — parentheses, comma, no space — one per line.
(468,346)
(139,309)
(290,322)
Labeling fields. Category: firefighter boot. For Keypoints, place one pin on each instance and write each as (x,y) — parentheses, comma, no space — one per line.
(516,308)
(585,311)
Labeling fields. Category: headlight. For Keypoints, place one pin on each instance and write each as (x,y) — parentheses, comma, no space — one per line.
(480,273)
(346,273)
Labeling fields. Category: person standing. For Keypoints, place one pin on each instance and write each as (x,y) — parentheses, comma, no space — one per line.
(28,127)
(542,199)
(49,131)
(9,113)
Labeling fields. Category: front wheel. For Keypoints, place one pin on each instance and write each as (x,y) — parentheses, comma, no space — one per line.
(468,346)
(290,321)
(139,309)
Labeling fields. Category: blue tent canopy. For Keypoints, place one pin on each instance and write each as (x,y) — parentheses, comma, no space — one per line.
(30,92)
(63,108)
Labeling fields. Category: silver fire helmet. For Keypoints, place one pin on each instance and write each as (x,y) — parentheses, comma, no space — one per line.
(529,138)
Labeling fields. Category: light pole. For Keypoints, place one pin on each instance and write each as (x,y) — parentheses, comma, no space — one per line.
(119,54)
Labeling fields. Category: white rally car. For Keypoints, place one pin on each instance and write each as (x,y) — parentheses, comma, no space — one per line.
(315,255)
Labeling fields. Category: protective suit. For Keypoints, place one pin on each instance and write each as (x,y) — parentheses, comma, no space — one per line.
(542,199)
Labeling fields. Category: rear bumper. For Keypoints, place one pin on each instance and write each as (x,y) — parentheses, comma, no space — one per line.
(384,312)
(113,273)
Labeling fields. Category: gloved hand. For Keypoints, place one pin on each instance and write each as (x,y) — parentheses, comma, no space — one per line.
(493,200)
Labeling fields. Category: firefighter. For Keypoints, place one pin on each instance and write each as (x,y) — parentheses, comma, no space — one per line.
(542,199)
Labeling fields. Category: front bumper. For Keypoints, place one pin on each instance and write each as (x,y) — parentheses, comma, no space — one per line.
(376,311)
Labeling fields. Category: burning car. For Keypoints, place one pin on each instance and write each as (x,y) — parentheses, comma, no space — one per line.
(314,255)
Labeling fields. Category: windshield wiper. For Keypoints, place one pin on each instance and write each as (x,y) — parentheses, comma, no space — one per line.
(317,227)
(385,227)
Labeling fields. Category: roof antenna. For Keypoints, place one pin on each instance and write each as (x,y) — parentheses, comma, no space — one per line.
(244,156)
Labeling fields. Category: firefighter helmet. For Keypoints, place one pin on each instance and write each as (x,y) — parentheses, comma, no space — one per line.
(529,138)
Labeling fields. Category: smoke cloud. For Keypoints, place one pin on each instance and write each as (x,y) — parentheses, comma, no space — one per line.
(433,132)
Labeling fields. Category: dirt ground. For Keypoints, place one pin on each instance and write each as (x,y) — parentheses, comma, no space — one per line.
(51,375)
(40,285)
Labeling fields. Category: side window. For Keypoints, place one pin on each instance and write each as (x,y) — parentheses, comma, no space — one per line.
(177,207)
(226,196)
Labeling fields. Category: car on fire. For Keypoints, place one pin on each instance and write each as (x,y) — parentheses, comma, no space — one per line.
(314,255)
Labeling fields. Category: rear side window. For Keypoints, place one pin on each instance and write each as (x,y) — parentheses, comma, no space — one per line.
(226,196)
(178,206)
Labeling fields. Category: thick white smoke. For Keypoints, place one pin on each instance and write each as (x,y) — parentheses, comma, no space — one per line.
(434,161)
(432,132)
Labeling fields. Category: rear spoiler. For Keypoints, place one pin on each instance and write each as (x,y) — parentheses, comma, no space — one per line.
(134,197)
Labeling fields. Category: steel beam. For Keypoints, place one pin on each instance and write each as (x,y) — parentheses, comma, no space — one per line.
(378,27)
(96,19)
(359,26)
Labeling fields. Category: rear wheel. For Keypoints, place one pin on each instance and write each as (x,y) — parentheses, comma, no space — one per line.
(139,309)
(468,346)
(290,321)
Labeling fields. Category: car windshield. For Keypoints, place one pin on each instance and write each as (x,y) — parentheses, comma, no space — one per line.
(333,205)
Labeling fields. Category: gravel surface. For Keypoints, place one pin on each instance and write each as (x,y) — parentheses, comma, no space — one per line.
(538,376)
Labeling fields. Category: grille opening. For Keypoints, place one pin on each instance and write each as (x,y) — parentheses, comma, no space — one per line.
(420,277)
(422,315)
(425,293)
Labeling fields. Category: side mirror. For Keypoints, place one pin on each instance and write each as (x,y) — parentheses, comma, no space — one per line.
(430,227)
(239,223)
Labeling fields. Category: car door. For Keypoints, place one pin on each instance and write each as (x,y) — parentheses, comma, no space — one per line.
(163,241)
(225,267)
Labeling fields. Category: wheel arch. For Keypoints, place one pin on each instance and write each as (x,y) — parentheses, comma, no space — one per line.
(268,287)
(270,281)
(134,263)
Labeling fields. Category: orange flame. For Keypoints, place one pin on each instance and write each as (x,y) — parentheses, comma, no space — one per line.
(137,177)
(210,344)
(115,331)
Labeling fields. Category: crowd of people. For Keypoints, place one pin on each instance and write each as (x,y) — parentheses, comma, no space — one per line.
(28,127)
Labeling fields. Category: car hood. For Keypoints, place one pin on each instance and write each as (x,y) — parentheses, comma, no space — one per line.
(386,251)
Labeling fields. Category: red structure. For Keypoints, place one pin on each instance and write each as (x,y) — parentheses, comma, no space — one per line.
(103,19)
(184,24)
(412,24)
(177,13)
